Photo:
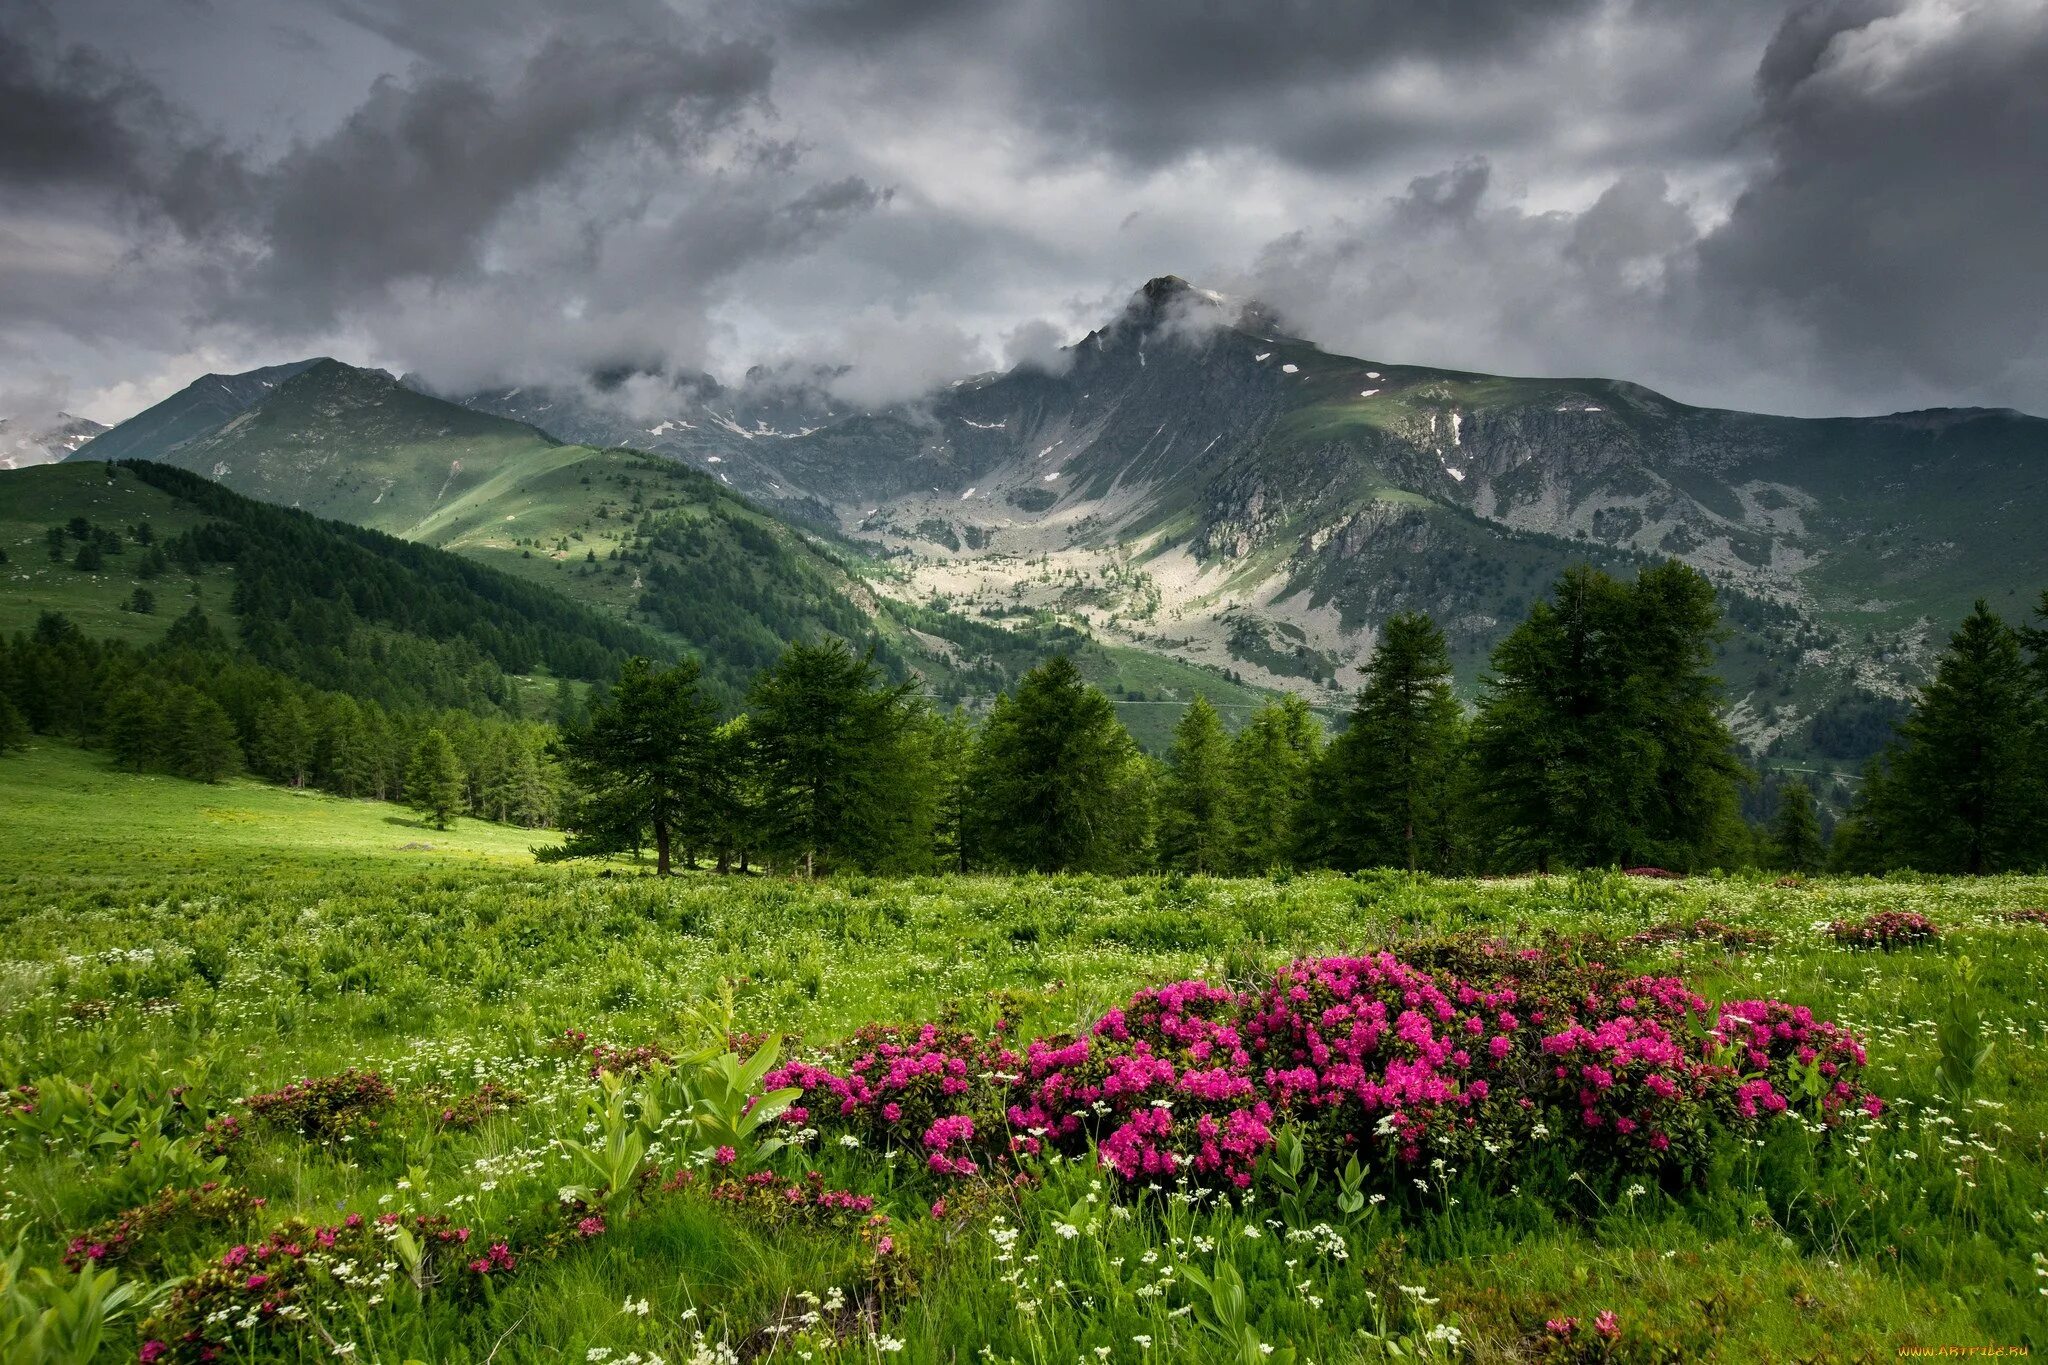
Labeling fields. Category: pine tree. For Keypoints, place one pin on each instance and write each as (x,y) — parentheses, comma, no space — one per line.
(1795,841)
(1964,790)
(828,747)
(1691,818)
(1271,761)
(736,796)
(1059,783)
(529,796)
(1197,827)
(433,781)
(1598,740)
(285,740)
(1387,790)
(134,725)
(203,741)
(952,756)
(644,765)
(13,726)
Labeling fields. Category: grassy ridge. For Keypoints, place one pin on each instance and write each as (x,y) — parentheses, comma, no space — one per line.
(38,498)
(233,939)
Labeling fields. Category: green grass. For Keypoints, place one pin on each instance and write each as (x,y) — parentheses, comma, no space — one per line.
(68,809)
(230,939)
(33,500)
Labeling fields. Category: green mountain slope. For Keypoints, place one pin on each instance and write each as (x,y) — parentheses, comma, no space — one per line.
(335,605)
(1194,481)
(636,536)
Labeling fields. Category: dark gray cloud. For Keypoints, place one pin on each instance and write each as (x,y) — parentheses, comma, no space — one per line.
(411,184)
(1900,223)
(1778,203)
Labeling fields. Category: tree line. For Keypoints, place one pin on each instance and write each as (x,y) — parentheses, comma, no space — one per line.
(1597,740)
(194,706)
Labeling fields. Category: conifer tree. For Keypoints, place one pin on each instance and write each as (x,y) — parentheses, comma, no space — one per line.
(13,726)
(1059,783)
(433,781)
(285,740)
(1386,793)
(643,766)
(736,802)
(1795,841)
(1598,741)
(828,746)
(952,755)
(1197,829)
(134,726)
(1271,761)
(1964,792)
(203,742)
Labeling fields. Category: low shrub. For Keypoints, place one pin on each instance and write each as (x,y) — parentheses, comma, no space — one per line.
(1704,930)
(470,1111)
(1368,1056)
(326,1108)
(136,1236)
(1887,929)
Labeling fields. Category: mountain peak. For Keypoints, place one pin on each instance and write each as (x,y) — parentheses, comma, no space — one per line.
(1170,296)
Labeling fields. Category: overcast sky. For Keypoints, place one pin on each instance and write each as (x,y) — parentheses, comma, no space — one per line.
(1806,208)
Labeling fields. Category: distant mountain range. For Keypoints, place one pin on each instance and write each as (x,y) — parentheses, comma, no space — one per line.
(639,535)
(1194,483)
(25,442)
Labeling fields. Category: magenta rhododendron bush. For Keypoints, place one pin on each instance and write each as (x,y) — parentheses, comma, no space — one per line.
(1370,1056)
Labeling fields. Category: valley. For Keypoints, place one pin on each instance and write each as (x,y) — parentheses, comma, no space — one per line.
(1188,484)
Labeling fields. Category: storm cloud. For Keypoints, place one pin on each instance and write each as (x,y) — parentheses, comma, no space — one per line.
(1803,207)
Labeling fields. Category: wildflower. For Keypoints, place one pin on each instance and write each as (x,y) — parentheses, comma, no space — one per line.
(637,1307)
(1606,1324)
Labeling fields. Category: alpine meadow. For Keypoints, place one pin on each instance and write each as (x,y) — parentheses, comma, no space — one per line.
(705,740)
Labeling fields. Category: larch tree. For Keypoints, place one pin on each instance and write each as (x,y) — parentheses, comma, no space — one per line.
(433,780)
(1963,786)
(1796,844)
(1059,784)
(1272,759)
(1197,826)
(1599,740)
(203,741)
(1387,792)
(644,766)
(828,746)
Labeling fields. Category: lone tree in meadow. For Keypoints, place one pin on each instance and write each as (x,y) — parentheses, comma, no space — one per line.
(1386,792)
(644,766)
(828,744)
(1059,784)
(433,780)
(1599,740)
(1962,789)
(1197,827)
(1796,842)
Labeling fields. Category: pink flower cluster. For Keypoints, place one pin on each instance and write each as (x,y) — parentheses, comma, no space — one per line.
(1362,1054)
(897,1082)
